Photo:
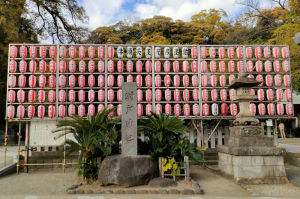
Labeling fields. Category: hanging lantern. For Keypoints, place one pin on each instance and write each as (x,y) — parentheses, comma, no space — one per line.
(149,109)
(252,108)
(177,110)
(267,52)
(287,80)
(148,95)
(250,67)
(91,110)
(110,81)
(195,94)
(222,80)
(223,94)
(215,109)
(285,52)
(72,66)
(120,51)
(176,95)
(22,81)
(239,52)
(232,94)
(168,95)
(61,111)
(91,66)
(139,52)
(157,52)
(213,80)
(289,109)
(91,95)
(119,95)
(110,52)
(51,96)
(213,66)
(212,52)
(32,66)
(12,66)
(285,66)
(71,110)
(167,66)
(110,95)
(205,95)
(20,111)
(101,95)
(158,95)
(194,66)
(233,109)
(148,52)
(260,78)
(42,66)
(276,52)
(62,81)
(148,66)
(231,79)
(41,111)
(269,80)
(139,110)
(203,52)
(12,81)
(185,52)
(81,81)
(280,109)
(101,81)
(186,80)
(91,52)
(271,109)
(100,107)
(176,80)
(101,66)
(62,66)
(110,66)
(81,96)
(139,66)
(129,78)
(249,52)
(30,111)
(157,80)
(119,110)
(258,52)
(167,80)
(276,65)
(221,52)
(71,96)
(203,66)
(230,52)
(231,66)
(148,80)
(224,109)
(270,94)
(139,80)
(214,95)
(72,81)
(22,66)
(166,52)
(240,66)
(204,80)
(185,66)
(252,92)
(120,66)
(222,66)
(279,94)
(62,96)
(194,52)
(157,66)
(81,66)
(101,52)
(81,110)
(91,81)
(32,52)
(72,52)
(196,110)
(288,94)
(158,109)
(260,95)
(11,96)
(32,81)
(176,66)
(250,76)
(195,81)
(52,66)
(186,110)
(205,109)
(186,95)
(120,80)
(168,109)
(52,52)
(31,96)
(259,66)
(62,51)
(139,95)
(268,66)
(43,52)
(176,52)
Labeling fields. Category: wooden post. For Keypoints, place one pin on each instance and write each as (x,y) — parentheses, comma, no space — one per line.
(27,147)
(19,147)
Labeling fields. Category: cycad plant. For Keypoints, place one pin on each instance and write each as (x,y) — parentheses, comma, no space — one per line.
(94,138)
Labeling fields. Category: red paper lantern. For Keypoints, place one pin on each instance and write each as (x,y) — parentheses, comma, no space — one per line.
(176,80)
(240,66)
(30,111)
(81,52)
(252,108)
(62,51)
(110,52)
(148,95)
(62,66)
(176,95)
(214,95)
(91,81)
(81,81)
(62,96)
(21,96)
(139,95)
(31,96)
(158,109)
(12,81)
(41,111)
(129,66)
(204,80)
(101,81)
(52,52)
(51,96)
(250,67)
(72,81)
(119,95)
(22,66)
(204,67)
(223,94)
(205,109)
(186,80)
(212,52)
(259,66)
(280,109)
(258,52)
(195,81)
(61,111)
(100,107)
(32,66)
(168,95)
(213,80)
(268,66)
(276,52)
(269,80)
(101,52)
(91,52)
(110,66)
(20,111)
(260,95)
(148,66)
(213,66)
(91,66)
(279,94)
(168,110)
(288,94)
(249,52)
(276,65)
(71,110)
(139,110)
(222,80)
(149,109)
(260,78)
(71,96)
(222,66)
(139,80)
(239,52)
(186,110)
(72,52)
(33,52)
(289,108)
(230,52)
(233,109)
(158,95)
(139,66)
(177,110)
(129,78)
(271,109)
(195,94)
(167,80)
(101,66)
(157,66)
(110,95)
(287,80)
(110,81)
(185,66)
(203,52)
(285,66)
(32,81)
(270,94)
(167,66)
(231,66)
(194,66)
(194,52)
(231,78)
(81,110)
(91,95)
(101,95)
(62,81)
(43,52)
(157,80)
(232,94)
(285,52)
(224,109)
(196,110)
(11,96)
(119,110)
(12,66)
(267,52)
(81,66)
(148,80)
(72,66)
(221,52)
(91,109)
(120,66)
(22,81)
(81,96)
(205,95)
(52,66)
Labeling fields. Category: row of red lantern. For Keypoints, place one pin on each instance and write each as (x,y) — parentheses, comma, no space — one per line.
(269,80)
(178,95)
(271,109)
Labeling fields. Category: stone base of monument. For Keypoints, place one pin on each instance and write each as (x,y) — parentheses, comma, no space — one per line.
(251,158)
(127,171)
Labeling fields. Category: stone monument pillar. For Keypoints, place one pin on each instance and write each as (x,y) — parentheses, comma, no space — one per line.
(248,155)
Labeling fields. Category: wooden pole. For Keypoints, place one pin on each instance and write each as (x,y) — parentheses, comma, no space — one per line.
(19,147)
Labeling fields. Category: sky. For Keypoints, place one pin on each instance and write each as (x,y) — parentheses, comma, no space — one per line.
(108,12)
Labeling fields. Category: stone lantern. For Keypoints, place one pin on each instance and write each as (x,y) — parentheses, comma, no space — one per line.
(248,155)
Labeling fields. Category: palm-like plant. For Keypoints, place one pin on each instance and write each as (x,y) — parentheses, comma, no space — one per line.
(94,138)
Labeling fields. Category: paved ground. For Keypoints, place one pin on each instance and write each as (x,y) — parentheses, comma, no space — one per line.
(11,155)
